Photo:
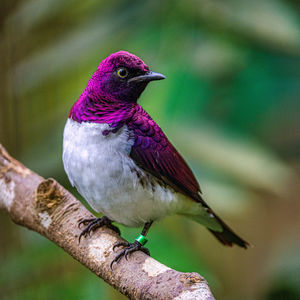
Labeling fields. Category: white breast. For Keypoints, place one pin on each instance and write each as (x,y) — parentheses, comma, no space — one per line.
(100,168)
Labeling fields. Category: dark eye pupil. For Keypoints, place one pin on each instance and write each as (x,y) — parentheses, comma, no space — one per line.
(122,72)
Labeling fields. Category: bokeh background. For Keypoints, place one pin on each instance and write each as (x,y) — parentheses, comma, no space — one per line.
(230,104)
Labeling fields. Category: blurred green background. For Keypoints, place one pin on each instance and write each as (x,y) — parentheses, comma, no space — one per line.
(230,104)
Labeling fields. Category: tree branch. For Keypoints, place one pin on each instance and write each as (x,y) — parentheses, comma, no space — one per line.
(47,208)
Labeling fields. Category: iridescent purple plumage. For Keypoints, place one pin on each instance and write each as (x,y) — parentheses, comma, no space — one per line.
(106,100)
(111,99)
(151,149)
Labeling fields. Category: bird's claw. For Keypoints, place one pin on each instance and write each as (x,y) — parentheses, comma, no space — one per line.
(93,223)
(85,221)
(129,248)
(121,244)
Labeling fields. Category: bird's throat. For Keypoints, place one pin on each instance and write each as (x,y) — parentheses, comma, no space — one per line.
(101,110)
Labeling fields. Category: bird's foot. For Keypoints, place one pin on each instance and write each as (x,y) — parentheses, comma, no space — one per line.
(94,223)
(129,248)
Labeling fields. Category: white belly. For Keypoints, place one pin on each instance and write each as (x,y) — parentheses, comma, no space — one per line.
(100,168)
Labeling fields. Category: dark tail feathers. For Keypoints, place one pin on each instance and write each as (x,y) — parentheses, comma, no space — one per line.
(228,237)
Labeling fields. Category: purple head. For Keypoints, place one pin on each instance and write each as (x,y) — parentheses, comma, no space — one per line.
(121,76)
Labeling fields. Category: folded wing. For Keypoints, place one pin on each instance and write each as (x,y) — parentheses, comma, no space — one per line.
(153,152)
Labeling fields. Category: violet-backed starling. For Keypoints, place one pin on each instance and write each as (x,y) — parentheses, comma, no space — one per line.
(122,163)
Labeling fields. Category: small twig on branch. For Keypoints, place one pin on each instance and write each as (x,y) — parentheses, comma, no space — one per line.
(47,208)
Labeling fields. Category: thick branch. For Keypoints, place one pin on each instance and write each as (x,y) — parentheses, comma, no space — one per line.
(47,208)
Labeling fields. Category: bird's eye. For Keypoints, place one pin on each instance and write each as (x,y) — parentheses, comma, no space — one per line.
(122,72)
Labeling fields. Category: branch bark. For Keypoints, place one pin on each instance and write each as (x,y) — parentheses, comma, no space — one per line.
(44,206)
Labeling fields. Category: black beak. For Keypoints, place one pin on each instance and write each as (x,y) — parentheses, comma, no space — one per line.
(149,76)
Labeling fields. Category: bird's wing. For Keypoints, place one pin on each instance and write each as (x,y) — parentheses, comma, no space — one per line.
(153,152)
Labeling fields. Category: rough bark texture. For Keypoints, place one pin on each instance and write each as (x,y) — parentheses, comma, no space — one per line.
(47,208)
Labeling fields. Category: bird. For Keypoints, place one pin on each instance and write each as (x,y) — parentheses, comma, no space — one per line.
(122,163)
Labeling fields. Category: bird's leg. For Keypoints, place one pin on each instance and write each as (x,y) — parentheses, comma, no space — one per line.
(132,247)
(94,223)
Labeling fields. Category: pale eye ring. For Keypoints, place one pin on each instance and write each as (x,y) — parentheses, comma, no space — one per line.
(122,72)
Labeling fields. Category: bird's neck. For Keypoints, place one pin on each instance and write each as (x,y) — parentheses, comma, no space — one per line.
(91,108)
